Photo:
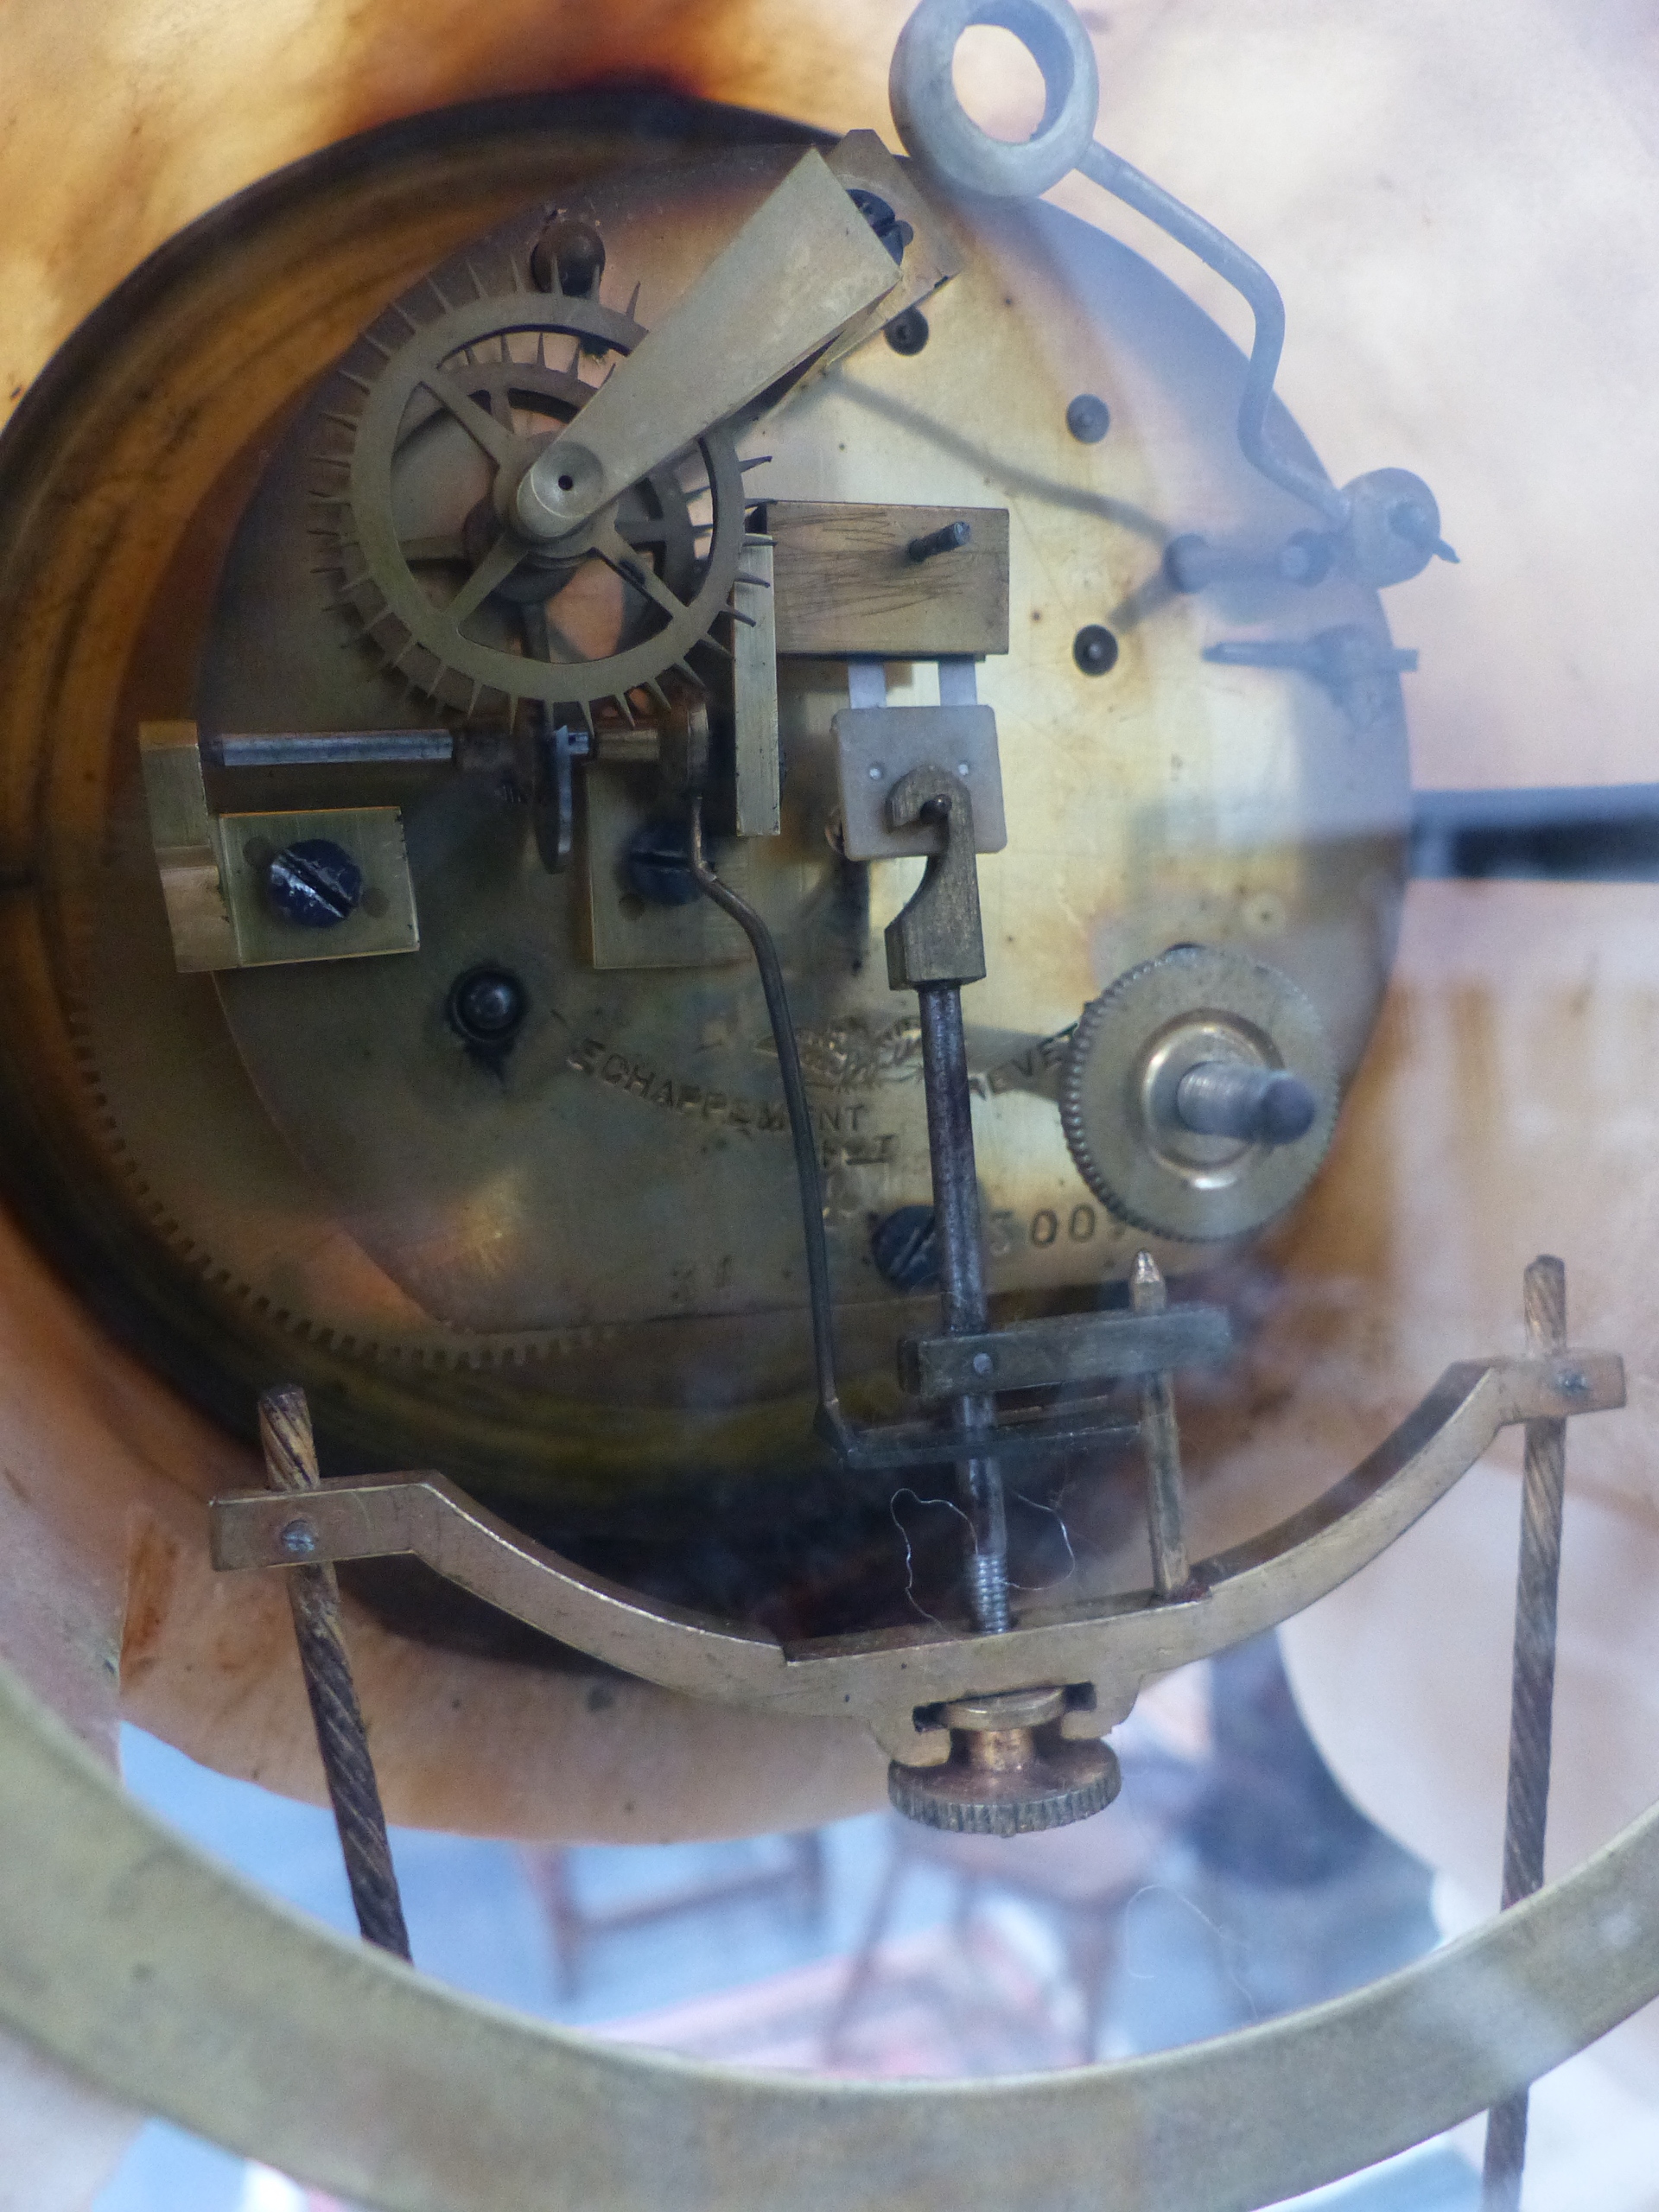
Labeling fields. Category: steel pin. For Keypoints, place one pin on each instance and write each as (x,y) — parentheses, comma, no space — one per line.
(1161,1443)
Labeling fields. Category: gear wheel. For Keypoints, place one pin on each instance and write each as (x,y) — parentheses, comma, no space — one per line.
(422,418)
(1192,1004)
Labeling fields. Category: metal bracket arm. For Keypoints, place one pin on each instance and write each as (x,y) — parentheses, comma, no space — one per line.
(889,1675)
(937,938)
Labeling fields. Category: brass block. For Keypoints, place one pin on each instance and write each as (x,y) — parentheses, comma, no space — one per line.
(846,587)
(373,835)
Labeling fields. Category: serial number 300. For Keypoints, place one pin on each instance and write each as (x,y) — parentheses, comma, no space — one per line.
(1045,1227)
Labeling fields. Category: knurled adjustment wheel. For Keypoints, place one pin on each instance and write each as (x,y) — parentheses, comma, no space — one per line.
(1129,1111)
(1010,1771)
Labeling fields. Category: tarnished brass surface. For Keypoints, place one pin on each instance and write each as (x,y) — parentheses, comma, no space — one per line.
(583,1267)
(174,1986)
(203,1237)
(885,1676)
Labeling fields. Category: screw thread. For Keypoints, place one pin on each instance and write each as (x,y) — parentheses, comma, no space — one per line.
(987,1592)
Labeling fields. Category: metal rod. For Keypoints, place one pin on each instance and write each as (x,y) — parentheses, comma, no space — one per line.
(831,1420)
(1247,278)
(961,1286)
(1161,1440)
(1532,1692)
(332,748)
(314,1594)
(1234,1098)
(946,540)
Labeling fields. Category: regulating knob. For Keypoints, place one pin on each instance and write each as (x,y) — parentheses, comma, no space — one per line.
(1199,1094)
(1010,1771)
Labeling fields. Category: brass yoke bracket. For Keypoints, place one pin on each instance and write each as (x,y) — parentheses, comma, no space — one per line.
(899,1680)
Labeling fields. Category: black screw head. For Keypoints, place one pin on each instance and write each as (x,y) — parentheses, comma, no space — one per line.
(568,258)
(908,332)
(315,883)
(1306,557)
(894,233)
(1088,418)
(906,1249)
(487,1005)
(658,863)
(1095,649)
(1191,563)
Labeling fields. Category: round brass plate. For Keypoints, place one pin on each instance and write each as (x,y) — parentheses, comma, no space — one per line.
(574,1276)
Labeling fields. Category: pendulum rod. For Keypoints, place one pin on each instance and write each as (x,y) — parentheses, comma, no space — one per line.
(314,1594)
(1532,1693)
(962,1284)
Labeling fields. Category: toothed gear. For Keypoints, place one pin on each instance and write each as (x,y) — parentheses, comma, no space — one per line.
(1130,1049)
(424,415)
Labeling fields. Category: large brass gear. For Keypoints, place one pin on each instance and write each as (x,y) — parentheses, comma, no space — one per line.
(435,402)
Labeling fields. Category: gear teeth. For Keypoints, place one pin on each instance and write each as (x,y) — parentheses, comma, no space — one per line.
(1070,1097)
(417,656)
(1216,992)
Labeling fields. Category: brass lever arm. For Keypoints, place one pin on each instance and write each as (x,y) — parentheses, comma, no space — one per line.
(802,267)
